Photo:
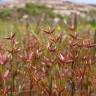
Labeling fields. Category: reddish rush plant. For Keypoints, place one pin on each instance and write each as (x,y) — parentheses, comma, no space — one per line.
(58,66)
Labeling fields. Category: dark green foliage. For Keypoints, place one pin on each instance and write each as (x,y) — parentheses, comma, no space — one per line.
(5,12)
(33,9)
(93,23)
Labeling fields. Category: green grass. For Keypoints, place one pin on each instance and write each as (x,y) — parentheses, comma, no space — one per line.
(6,27)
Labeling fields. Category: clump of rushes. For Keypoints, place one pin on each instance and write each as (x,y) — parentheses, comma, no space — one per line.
(58,66)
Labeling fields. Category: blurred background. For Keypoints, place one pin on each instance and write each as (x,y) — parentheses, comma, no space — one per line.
(36,13)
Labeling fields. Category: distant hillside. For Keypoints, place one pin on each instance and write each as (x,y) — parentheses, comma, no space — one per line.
(60,6)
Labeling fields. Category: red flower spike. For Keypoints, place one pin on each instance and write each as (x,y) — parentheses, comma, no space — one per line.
(51,48)
(73,26)
(4,92)
(57,38)
(75,36)
(74,54)
(28,57)
(38,52)
(50,31)
(5,58)
(64,59)
(79,73)
(5,76)
(47,62)
(11,36)
(74,22)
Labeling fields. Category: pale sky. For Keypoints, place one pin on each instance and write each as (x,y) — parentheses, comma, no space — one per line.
(83,1)
(77,1)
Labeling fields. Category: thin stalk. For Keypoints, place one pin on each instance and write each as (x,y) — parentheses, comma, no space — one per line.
(31,86)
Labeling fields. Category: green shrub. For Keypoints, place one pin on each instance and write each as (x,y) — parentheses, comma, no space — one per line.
(5,12)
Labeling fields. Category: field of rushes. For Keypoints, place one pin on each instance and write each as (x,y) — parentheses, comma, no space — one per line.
(48,63)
